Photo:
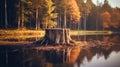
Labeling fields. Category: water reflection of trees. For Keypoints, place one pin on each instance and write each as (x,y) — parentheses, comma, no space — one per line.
(112,38)
(105,38)
(67,57)
(99,52)
(57,58)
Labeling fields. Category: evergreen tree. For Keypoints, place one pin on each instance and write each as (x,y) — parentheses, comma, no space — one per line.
(37,6)
(106,7)
(89,6)
(44,12)
(23,9)
(80,4)
(48,14)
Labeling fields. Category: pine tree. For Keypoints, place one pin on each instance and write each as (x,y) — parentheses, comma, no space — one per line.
(89,6)
(80,3)
(49,15)
(106,6)
(37,6)
(23,7)
(44,13)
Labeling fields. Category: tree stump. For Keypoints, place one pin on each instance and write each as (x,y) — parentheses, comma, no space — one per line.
(56,36)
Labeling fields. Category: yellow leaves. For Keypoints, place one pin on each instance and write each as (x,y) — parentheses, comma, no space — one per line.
(73,10)
(29,3)
(54,15)
(49,2)
(48,14)
(49,23)
(52,8)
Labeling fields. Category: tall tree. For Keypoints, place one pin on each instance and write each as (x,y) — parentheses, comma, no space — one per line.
(68,9)
(80,4)
(48,14)
(106,6)
(23,7)
(89,6)
(115,18)
(37,5)
(44,13)
(106,19)
(93,15)
(73,10)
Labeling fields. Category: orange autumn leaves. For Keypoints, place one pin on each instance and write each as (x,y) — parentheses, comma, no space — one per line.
(110,19)
(105,18)
(73,10)
(115,18)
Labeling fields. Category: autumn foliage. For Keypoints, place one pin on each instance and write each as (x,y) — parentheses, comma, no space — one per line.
(73,10)
(115,19)
(106,19)
(41,14)
(110,19)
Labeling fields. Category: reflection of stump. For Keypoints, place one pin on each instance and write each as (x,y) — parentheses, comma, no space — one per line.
(56,36)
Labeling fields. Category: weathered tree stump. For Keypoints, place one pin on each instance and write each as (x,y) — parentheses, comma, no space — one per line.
(57,36)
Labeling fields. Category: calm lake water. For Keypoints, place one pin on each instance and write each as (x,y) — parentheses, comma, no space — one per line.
(108,56)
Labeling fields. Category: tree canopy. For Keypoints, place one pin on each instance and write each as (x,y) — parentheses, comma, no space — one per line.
(41,14)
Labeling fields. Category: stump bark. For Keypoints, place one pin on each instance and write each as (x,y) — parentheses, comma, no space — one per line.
(57,36)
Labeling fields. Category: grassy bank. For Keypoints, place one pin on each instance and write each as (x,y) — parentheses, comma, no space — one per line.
(92,32)
(22,32)
(20,35)
(42,32)
(24,35)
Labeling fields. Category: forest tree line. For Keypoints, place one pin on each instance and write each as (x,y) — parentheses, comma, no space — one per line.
(74,14)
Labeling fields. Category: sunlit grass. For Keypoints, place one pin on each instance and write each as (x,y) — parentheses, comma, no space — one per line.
(83,32)
(21,32)
(25,34)
(32,33)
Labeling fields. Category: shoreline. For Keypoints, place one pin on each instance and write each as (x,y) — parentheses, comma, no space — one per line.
(7,43)
(42,32)
(30,45)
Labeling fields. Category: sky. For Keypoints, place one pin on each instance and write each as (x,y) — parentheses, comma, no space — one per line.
(113,3)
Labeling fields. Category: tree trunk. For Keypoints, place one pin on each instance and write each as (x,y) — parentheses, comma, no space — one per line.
(23,16)
(6,22)
(56,36)
(36,18)
(64,18)
(18,22)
